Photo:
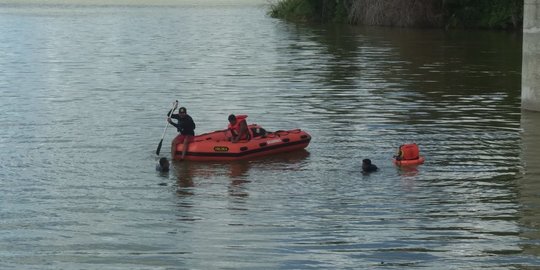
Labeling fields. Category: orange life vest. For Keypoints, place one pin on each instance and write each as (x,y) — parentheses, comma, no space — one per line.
(235,129)
(409,151)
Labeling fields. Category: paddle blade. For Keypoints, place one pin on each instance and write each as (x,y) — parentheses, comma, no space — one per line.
(159,147)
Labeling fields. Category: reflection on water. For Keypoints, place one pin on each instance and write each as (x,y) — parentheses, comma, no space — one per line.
(184,172)
(187,173)
(84,89)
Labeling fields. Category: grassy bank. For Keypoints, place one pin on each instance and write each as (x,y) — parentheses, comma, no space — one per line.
(492,14)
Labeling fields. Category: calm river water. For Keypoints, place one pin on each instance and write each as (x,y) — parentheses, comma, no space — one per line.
(84,90)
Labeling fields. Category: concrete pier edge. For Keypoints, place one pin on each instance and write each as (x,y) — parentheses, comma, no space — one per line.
(530,72)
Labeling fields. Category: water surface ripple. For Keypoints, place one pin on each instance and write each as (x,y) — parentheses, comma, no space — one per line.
(84,90)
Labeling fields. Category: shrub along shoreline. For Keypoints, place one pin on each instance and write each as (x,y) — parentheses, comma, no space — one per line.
(485,14)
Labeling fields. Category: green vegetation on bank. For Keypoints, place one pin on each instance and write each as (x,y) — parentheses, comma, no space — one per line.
(493,14)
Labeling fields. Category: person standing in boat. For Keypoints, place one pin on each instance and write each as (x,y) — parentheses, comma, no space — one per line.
(185,126)
(238,127)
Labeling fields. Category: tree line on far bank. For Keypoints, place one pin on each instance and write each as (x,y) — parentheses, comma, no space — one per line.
(491,14)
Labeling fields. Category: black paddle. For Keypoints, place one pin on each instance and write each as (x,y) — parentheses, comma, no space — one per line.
(175,104)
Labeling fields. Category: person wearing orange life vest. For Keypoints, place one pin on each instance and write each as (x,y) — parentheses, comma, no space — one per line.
(408,152)
(238,127)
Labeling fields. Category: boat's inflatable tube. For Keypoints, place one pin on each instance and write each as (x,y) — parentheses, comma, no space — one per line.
(215,146)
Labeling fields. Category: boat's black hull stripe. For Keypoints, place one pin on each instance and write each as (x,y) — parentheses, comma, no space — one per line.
(245,153)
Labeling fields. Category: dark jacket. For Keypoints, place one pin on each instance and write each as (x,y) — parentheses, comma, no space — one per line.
(185,124)
(369,168)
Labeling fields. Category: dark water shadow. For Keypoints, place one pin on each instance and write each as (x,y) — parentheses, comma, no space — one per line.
(404,66)
(529,184)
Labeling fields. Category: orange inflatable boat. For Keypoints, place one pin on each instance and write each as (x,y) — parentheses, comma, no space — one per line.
(408,155)
(215,146)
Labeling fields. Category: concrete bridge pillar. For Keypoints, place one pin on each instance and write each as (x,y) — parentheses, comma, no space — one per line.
(530,76)
(528,186)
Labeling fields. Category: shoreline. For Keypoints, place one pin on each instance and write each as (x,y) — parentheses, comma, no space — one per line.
(136,2)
